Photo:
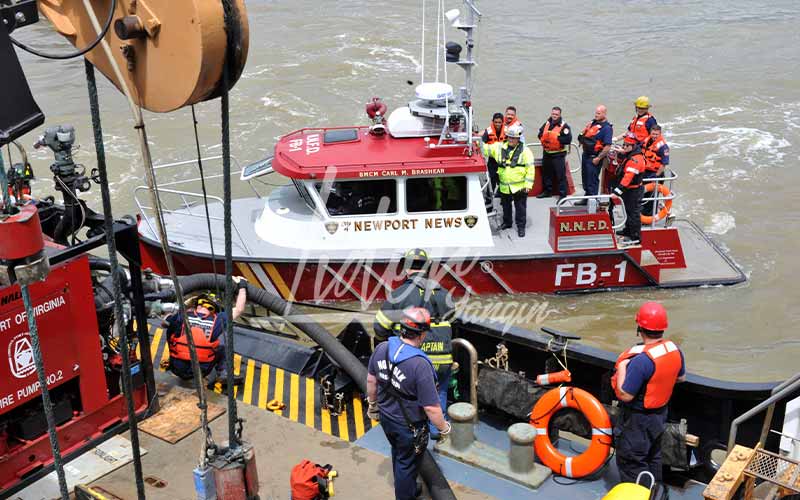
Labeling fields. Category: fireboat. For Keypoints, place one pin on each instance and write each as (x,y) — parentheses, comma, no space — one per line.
(358,197)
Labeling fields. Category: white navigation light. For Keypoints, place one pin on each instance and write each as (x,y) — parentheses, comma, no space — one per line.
(434,91)
(452,15)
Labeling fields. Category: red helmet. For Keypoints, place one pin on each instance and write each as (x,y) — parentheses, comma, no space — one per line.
(652,316)
(630,138)
(415,321)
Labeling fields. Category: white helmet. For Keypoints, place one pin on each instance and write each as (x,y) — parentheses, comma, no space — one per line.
(514,131)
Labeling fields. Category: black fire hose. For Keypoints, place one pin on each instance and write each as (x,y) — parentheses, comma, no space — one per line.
(437,485)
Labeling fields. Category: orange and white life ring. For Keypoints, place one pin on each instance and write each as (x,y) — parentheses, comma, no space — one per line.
(664,191)
(595,456)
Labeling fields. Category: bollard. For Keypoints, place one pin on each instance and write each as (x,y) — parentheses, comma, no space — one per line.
(462,418)
(520,455)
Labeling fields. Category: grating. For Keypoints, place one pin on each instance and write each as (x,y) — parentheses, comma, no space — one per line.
(775,469)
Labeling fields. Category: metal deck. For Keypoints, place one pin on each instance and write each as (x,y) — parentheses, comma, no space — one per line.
(264,382)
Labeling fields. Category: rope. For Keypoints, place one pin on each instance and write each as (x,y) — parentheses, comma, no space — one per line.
(205,196)
(234,433)
(423,42)
(127,386)
(46,401)
(443,48)
(438,34)
(78,53)
(147,160)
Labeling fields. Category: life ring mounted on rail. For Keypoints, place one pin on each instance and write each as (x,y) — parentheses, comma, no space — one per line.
(664,191)
(596,455)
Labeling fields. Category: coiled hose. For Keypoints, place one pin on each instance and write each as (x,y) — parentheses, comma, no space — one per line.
(437,485)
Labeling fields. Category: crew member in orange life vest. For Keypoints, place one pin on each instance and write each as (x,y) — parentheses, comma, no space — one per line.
(555,136)
(496,132)
(207,324)
(596,140)
(511,117)
(656,157)
(631,170)
(644,378)
(643,122)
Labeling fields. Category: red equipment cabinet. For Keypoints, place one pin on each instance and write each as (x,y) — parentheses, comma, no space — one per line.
(85,411)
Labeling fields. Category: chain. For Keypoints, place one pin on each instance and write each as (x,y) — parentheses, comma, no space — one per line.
(500,360)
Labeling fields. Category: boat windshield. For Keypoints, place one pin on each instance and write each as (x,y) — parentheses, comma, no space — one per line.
(367,197)
(436,194)
(301,189)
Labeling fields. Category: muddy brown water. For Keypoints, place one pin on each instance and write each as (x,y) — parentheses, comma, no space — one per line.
(723,77)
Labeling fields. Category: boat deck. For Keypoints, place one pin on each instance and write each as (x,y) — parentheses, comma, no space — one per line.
(354,445)
(706,262)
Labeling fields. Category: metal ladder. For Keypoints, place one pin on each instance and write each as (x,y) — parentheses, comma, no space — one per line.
(780,475)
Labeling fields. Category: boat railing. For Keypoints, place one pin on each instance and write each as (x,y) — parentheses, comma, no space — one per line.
(779,393)
(657,197)
(190,203)
(568,202)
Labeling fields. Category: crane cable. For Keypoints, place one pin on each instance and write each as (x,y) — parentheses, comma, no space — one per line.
(70,55)
(147,160)
(205,195)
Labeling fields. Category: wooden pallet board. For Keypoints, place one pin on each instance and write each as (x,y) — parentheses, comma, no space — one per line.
(178,417)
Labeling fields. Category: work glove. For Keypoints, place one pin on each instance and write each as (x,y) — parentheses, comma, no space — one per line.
(240,282)
(444,433)
(372,410)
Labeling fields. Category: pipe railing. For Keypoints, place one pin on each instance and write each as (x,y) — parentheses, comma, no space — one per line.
(779,393)
(473,371)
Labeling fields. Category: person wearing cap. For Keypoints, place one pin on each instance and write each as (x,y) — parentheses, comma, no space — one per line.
(401,393)
(596,140)
(207,323)
(556,137)
(419,291)
(516,173)
(643,121)
(632,166)
(644,378)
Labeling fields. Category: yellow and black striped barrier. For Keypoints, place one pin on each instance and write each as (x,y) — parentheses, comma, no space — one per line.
(300,395)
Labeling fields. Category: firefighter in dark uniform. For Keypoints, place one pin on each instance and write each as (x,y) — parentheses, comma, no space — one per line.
(644,378)
(596,140)
(419,291)
(555,136)
(207,324)
(631,169)
(401,393)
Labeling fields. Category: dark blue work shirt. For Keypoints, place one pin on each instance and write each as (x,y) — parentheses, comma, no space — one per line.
(416,379)
(606,133)
(638,373)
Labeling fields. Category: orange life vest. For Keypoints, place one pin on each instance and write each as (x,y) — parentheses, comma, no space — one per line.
(639,127)
(632,170)
(492,133)
(201,333)
(550,136)
(651,156)
(667,359)
(590,131)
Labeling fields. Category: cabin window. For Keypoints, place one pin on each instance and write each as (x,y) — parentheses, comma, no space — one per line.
(340,135)
(436,194)
(359,197)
